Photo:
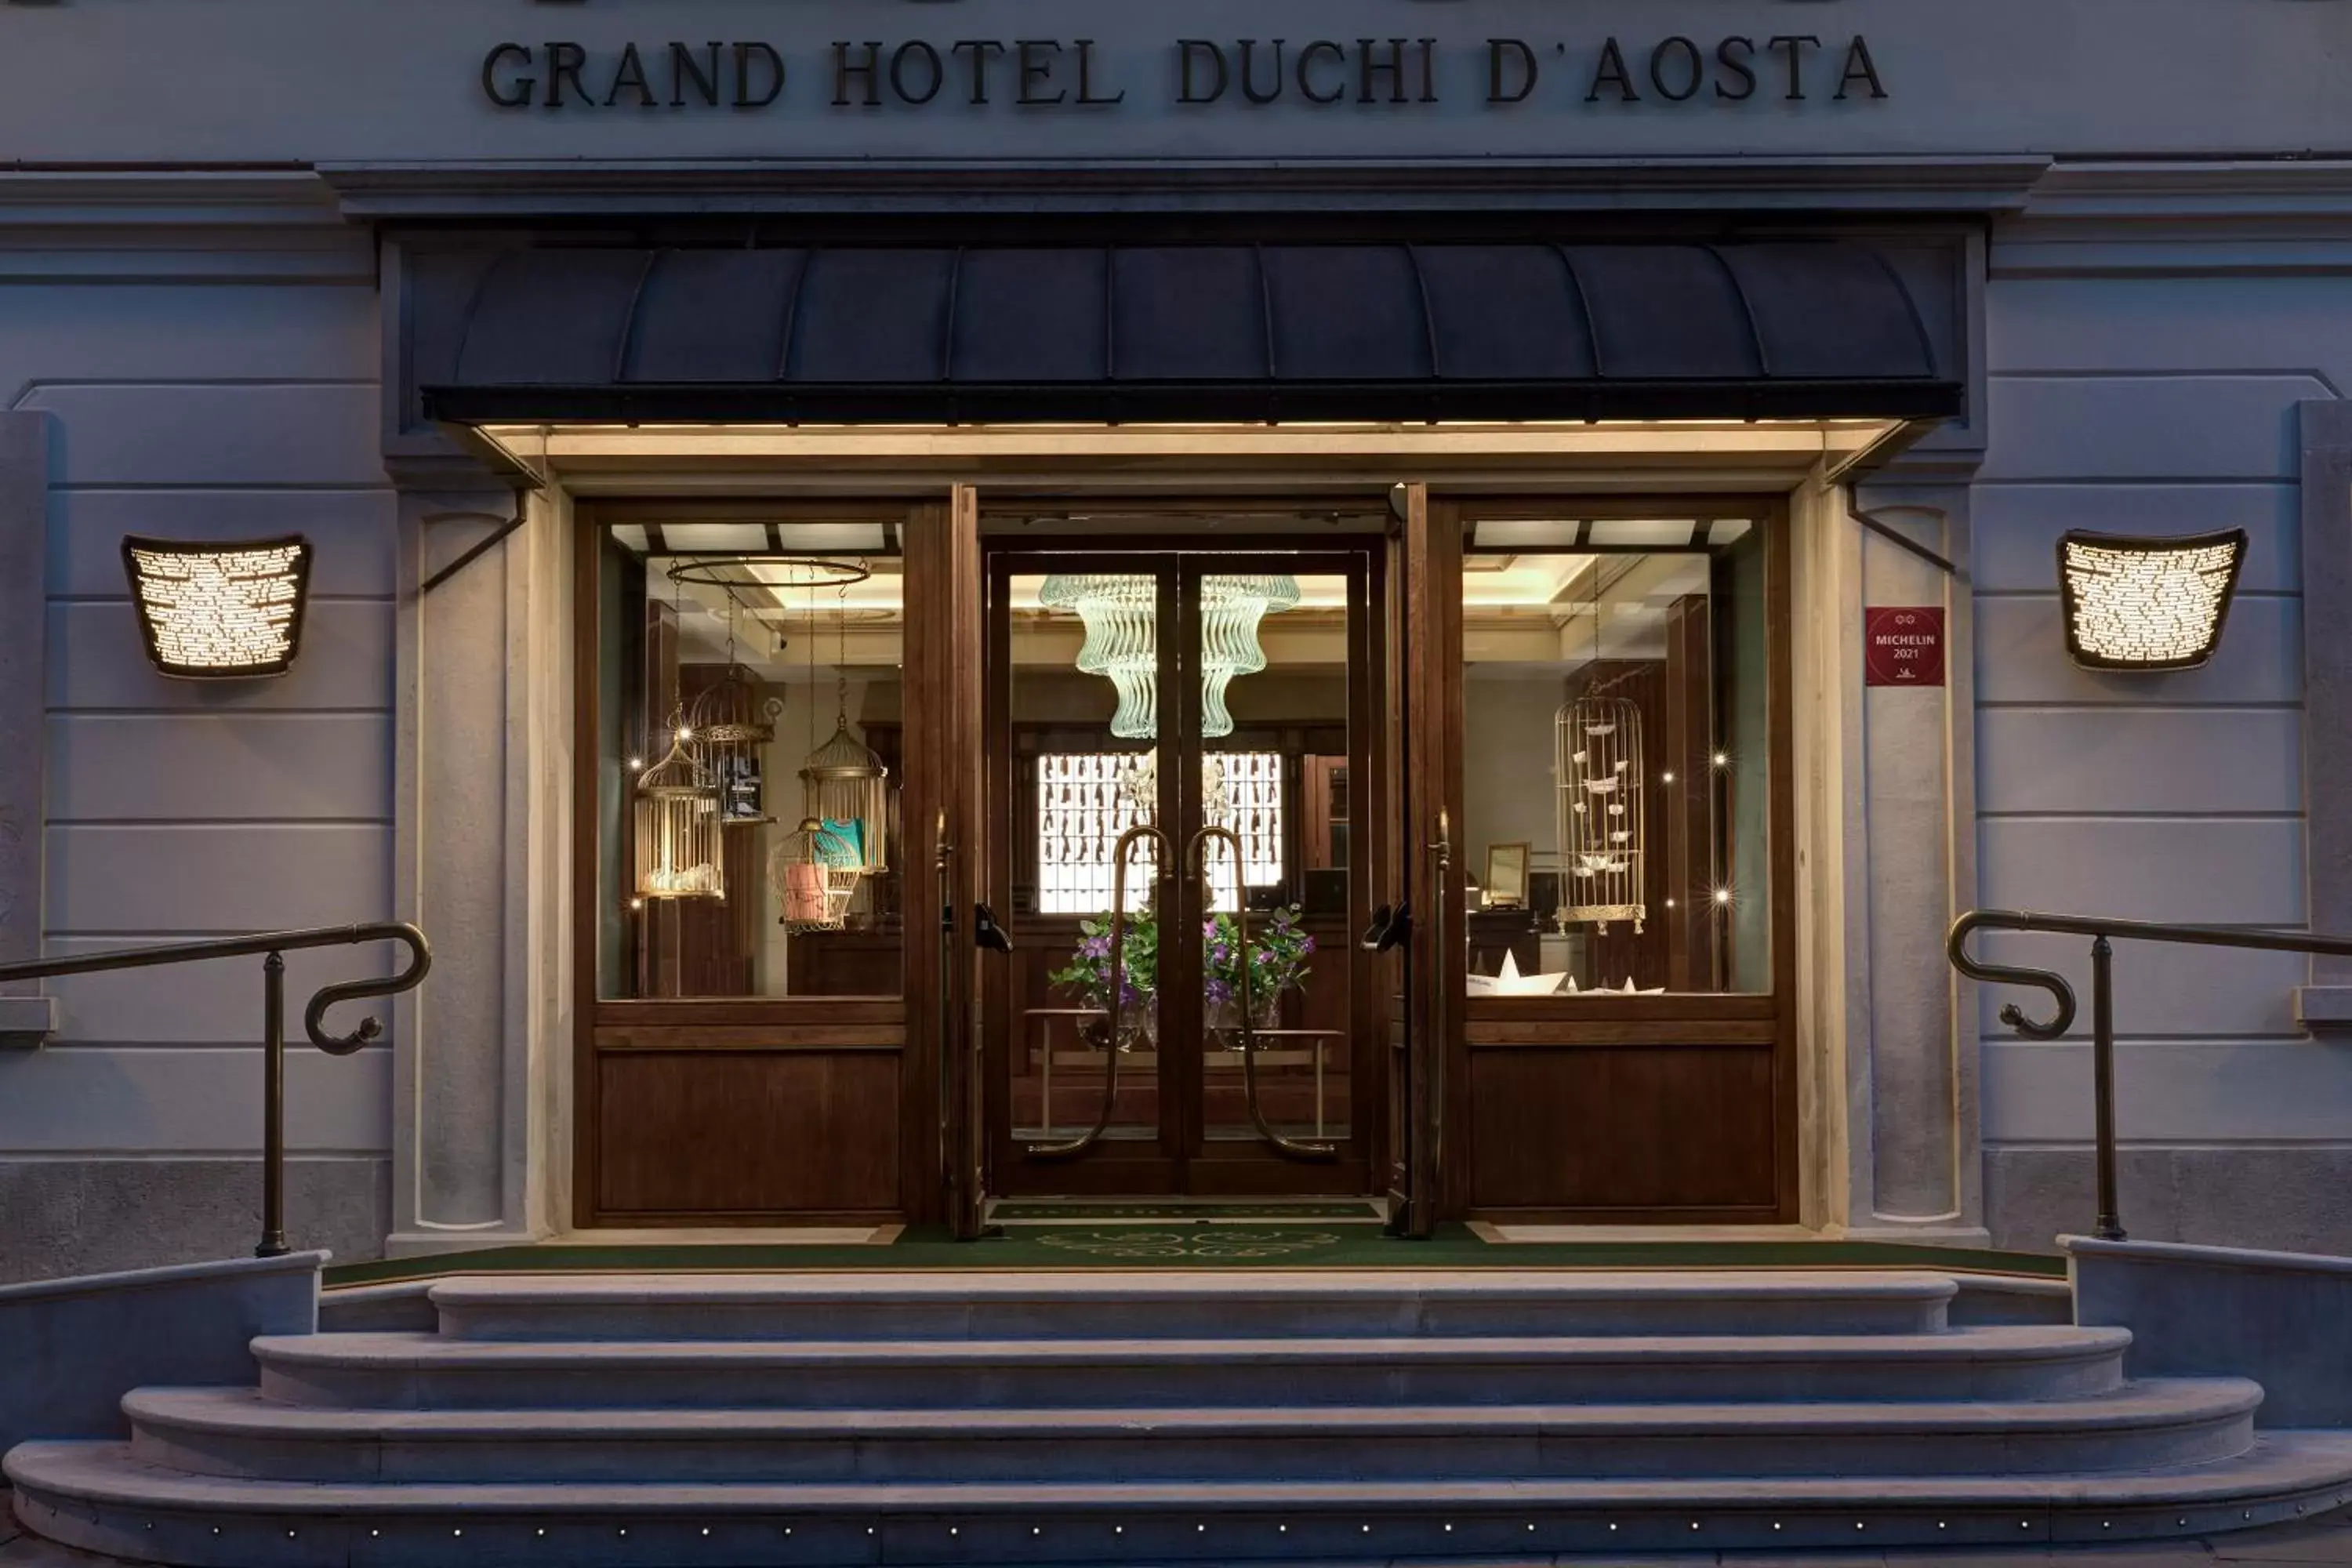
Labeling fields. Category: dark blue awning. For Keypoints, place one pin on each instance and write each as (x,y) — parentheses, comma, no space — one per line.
(1781,329)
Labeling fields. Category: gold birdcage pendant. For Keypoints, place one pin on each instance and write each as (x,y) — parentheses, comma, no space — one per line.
(846,789)
(1598,788)
(733,723)
(814,875)
(677,819)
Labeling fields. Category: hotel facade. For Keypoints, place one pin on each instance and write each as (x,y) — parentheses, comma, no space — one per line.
(937,603)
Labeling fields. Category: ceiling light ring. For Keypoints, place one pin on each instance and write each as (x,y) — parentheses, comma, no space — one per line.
(800,572)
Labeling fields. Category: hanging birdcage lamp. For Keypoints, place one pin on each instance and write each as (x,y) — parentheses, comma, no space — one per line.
(1599,793)
(844,788)
(815,873)
(1597,751)
(733,720)
(678,851)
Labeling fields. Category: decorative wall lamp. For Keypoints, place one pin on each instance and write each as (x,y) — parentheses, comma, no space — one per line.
(219,612)
(2146,603)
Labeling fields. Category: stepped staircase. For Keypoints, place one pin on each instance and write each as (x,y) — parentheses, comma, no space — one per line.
(1089,1418)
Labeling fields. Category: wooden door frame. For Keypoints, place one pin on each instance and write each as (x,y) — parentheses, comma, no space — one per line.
(814,1023)
(1183,1161)
(1436,1068)
(1636,1020)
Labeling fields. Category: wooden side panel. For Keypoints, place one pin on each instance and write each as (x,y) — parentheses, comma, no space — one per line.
(1437,1076)
(721,1133)
(1647,1128)
(1674,1108)
(920,805)
(959,770)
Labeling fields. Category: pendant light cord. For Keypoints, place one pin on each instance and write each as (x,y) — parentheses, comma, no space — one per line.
(840,660)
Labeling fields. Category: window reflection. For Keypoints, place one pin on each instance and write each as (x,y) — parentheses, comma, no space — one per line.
(1615,776)
(750,704)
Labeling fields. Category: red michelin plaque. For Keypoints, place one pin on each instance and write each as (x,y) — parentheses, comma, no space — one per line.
(1903,646)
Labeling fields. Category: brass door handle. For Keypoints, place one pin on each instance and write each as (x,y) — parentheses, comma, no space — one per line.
(1298,1149)
(1049,1150)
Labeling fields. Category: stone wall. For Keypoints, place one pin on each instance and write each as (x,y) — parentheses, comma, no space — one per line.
(201,381)
(2148,380)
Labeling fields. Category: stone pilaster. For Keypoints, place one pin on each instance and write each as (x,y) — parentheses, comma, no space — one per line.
(482,670)
(26,1018)
(2325,1005)
(1917,750)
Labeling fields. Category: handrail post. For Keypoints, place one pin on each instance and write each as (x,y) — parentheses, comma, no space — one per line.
(2110,1227)
(273,1108)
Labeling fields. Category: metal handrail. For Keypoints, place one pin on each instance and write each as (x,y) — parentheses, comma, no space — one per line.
(1297,1147)
(274,945)
(1050,1149)
(2109,1226)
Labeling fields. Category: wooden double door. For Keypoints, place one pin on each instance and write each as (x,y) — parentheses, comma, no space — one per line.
(1186,760)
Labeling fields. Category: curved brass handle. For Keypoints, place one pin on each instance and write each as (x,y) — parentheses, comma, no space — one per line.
(1296,1148)
(1092,1135)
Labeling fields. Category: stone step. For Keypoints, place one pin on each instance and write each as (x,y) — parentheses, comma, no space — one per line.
(2149,1424)
(97,1497)
(1222,1304)
(412,1370)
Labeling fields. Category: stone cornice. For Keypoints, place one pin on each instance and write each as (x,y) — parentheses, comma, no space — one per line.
(1894,185)
(274,197)
(2205,189)
(2024,190)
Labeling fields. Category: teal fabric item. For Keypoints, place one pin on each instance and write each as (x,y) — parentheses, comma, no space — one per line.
(841,843)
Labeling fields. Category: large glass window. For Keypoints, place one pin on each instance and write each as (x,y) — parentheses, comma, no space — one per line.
(750,707)
(1616,769)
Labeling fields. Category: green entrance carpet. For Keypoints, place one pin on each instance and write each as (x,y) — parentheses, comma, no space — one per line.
(1042,1211)
(1177,1244)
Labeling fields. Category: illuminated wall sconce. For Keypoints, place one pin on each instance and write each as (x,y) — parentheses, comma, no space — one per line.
(2146,603)
(215,612)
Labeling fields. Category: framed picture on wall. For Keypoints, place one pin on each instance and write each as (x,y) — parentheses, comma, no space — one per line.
(1506,876)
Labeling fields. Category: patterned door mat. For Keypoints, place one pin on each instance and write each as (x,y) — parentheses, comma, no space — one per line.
(1056,1211)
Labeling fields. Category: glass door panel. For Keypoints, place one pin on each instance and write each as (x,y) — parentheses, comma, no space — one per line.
(1088,855)
(1173,736)
(1272,963)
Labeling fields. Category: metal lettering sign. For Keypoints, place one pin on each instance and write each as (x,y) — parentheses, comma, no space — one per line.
(1765,68)
(1903,646)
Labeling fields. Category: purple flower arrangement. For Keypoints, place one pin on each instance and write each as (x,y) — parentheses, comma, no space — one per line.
(1279,948)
